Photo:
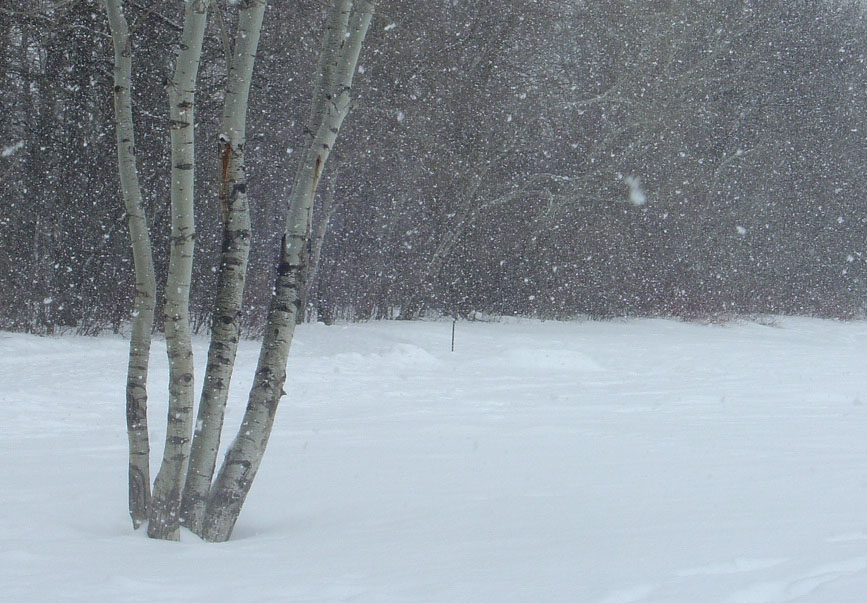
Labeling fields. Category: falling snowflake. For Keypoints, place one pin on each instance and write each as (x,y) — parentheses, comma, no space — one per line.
(636,194)
(12,149)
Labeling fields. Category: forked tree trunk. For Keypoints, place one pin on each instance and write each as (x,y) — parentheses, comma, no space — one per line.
(145,283)
(164,515)
(340,49)
(226,327)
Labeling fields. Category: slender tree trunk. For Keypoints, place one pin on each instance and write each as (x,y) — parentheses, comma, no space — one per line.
(245,454)
(336,27)
(324,91)
(145,287)
(226,326)
(318,239)
(164,516)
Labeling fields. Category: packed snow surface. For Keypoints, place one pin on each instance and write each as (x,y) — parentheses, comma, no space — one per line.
(608,462)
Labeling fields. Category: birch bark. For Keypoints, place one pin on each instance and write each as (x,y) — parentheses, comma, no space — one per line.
(145,287)
(226,327)
(336,28)
(245,454)
(164,512)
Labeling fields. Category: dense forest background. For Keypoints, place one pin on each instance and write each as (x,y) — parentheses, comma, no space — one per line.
(547,158)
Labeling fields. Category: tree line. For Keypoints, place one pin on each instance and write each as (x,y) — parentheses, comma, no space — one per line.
(689,158)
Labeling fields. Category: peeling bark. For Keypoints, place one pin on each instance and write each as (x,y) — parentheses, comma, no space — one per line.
(145,288)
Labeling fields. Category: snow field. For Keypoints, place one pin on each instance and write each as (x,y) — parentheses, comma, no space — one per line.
(615,462)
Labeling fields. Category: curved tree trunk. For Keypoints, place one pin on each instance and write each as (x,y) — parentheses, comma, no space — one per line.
(245,454)
(164,516)
(226,327)
(145,283)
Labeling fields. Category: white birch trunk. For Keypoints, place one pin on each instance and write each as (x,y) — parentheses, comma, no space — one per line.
(226,327)
(164,516)
(336,26)
(145,287)
(245,454)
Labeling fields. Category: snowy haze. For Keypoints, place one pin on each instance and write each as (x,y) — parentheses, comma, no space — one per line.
(609,462)
(540,158)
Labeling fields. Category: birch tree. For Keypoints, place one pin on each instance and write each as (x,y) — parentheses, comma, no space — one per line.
(164,512)
(209,511)
(145,289)
(235,214)
(347,26)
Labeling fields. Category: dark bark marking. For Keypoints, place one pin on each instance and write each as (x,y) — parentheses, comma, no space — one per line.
(138,496)
(317,172)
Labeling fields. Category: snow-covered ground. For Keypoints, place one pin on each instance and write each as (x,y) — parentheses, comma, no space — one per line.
(611,462)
